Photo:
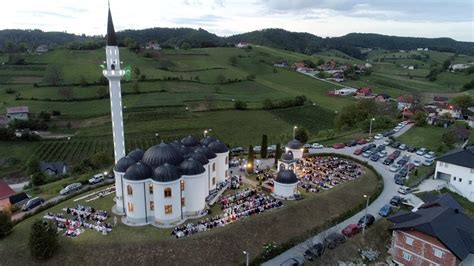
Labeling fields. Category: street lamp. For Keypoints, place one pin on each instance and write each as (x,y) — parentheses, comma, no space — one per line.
(294,131)
(205,133)
(370,129)
(365,216)
(246,258)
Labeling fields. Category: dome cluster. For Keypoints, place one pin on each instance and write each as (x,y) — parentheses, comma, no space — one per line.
(167,162)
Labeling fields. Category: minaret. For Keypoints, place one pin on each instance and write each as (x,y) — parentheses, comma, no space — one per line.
(114,74)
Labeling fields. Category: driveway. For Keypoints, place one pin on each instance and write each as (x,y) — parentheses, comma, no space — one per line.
(390,190)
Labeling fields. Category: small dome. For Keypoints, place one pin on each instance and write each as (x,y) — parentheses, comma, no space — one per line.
(199,156)
(206,151)
(218,147)
(288,156)
(176,144)
(191,167)
(166,173)
(294,144)
(185,150)
(190,141)
(207,140)
(138,171)
(123,164)
(161,154)
(136,154)
(286,177)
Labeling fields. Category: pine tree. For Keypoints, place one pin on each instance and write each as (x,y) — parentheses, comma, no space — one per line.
(264,149)
(250,165)
(277,153)
(43,239)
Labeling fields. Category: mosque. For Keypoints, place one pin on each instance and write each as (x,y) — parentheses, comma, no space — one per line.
(169,182)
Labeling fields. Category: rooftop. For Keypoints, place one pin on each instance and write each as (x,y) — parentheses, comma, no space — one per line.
(462,157)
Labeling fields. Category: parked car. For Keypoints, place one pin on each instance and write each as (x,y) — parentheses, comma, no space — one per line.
(385,210)
(402,147)
(411,166)
(403,172)
(382,154)
(257,148)
(237,150)
(32,203)
(429,155)
(358,152)
(404,190)
(365,148)
(70,188)
(397,153)
(351,143)
(394,168)
(351,230)
(399,180)
(292,262)
(374,157)
(421,151)
(395,145)
(411,149)
(272,147)
(396,200)
(367,154)
(362,141)
(309,255)
(318,249)
(402,162)
(333,240)
(378,136)
(388,161)
(416,163)
(316,146)
(428,162)
(339,145)
(96,179)
(387,142)
(367,219)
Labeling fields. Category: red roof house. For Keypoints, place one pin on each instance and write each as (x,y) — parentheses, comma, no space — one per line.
(5,192)
(364,92)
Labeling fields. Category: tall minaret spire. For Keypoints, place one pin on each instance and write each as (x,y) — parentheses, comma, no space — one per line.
(114,74)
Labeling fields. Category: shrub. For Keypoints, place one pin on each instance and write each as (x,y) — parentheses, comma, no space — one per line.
(240,105)
(43,239)
(6,224)
(10,91)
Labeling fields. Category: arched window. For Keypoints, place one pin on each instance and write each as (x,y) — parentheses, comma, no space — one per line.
(168,209)
(282,166)
(130,207)
(214,167)
(150,188)
(213,180)
(129,190)
(291,167)
(167,192)
(182,185)
(112,67)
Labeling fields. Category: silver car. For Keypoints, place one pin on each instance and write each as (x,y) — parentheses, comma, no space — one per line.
(70,188)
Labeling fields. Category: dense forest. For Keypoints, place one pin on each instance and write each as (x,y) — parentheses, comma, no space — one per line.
(277,38)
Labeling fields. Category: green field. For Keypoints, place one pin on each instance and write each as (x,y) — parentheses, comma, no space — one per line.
(428,137)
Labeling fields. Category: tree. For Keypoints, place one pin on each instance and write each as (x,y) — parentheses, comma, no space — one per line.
(136,87)
(250,165)
(43,239)
(463,101)
(449,138)
(32,166)
(267,104)
(302,134)
(185,46)
(264,148)
(420,119)
(38,179)
(320,61)
(277,153)
(66,92)
(240,105)
(54,74)
(45,116)
(6,224)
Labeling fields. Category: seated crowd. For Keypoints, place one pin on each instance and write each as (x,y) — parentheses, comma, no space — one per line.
(81,218)
(322,173)
(235,207)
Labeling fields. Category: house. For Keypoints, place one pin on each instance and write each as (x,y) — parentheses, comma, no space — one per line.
(457,168)
(152,46)
(438,233)
(18,199)
(406,101)
(368,65)
(364,92)
(281,64)
(42,49)
(411,67)
(458,67)
(382,97)
(53,168)
(440,99)
(345,92)
(297,66)
(242,45)
(5,192)
(446,108)
(18,112)
(407,113)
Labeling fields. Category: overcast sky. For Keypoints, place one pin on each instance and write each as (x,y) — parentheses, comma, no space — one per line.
(425,18)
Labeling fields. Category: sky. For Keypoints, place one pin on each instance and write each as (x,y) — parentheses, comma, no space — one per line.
(419,18)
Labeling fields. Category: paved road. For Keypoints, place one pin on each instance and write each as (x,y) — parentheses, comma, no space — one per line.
(390,190)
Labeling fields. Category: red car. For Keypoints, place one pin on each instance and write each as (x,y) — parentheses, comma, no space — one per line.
(339,145)
(362,141)
(351,230)
(358,152)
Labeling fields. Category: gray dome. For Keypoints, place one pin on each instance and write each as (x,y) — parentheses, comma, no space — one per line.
(161,154)
(207,140)
(191,167)
(123,164)
(184,150)
(138,171)
(190,141)
(288,156)
(166,173)
(286,177)
(176,144)
(294,144)
(206,151)
(136,154)
(199,156)
(218,147)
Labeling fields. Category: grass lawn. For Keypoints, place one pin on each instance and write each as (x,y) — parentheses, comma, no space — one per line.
(423,173)
(148,245)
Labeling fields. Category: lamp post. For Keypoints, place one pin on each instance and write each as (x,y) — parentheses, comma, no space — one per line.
(370,129)
(205,133)
(365,216)
(246,258)
(294,131)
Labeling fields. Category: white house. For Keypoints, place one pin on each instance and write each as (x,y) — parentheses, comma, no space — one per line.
(457,168)
(286,185)
(152,46)
(42,48)
(53,168)
(345,91)
(242,45)
(18,112)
